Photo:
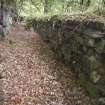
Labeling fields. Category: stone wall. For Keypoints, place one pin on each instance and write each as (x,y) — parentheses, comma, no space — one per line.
(80,44)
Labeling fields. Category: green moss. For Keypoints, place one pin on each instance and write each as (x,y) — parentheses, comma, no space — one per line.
(90,88)
(82,80)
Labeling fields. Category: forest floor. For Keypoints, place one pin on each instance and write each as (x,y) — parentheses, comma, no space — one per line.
(32,75)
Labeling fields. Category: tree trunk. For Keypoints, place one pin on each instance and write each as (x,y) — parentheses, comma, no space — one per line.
(1,12)
(5,18)
(46,6)
(1,20)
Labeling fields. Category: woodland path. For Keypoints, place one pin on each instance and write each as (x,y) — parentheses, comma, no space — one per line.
(32,75)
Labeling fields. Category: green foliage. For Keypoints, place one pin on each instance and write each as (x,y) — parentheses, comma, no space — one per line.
(90,88)
(40,8)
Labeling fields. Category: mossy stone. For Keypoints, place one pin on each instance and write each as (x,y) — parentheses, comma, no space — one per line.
(95,76)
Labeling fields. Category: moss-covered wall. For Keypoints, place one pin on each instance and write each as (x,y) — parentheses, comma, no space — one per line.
(80,44)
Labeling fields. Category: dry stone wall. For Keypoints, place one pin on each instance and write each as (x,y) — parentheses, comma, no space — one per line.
(80,44)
